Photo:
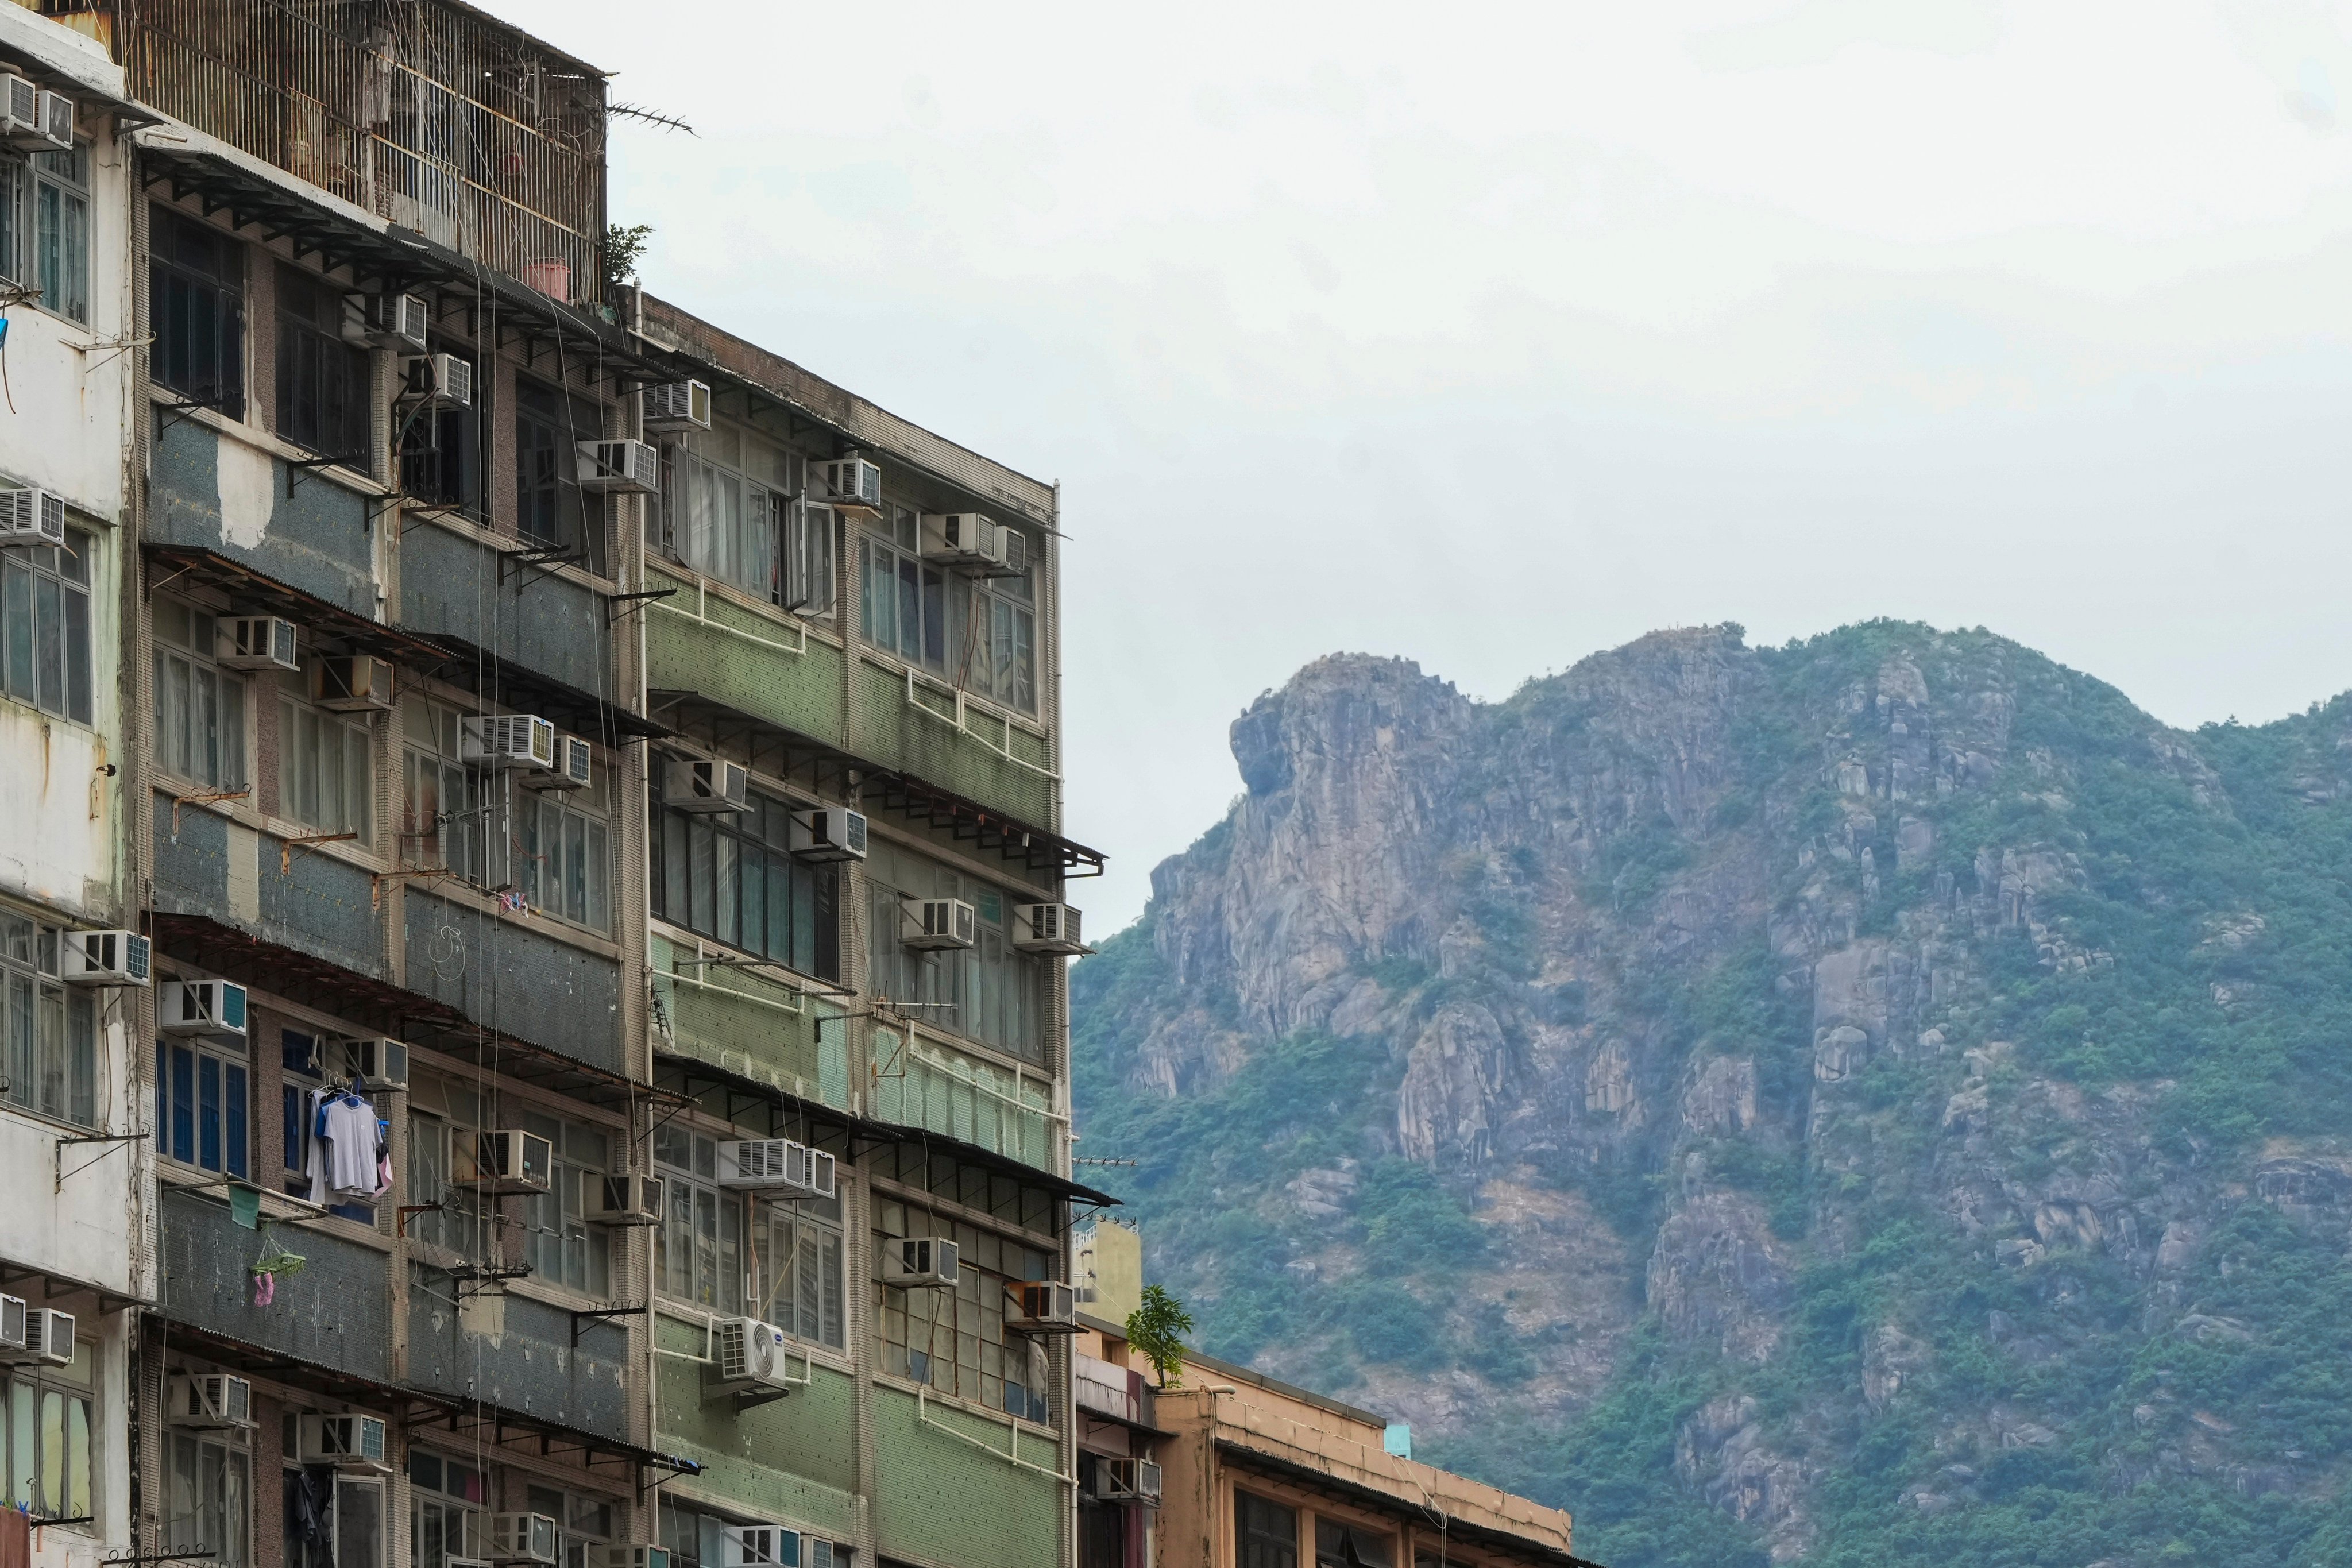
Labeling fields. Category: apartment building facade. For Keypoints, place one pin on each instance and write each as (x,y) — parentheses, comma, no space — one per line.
(588,792)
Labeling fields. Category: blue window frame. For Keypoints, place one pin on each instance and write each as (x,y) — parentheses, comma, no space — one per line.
(204,1108)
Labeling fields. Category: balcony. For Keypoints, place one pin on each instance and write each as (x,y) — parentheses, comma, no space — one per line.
(1112,1392)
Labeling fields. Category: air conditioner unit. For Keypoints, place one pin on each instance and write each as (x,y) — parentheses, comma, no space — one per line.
(918,1260)
(1042,1306)
(522,1538)
(628,1199)
(776,1166)
(759,1546)
(256,642)
(13,1326)
(829,833)
(928,925)
(20,114)
(354,683)
(387,321)
(977,546)
(381,1065)
(440,378)
(56,122)
(507,741)
(1046,928)
(1127,1480)
(48,1339)
(507,1161)
(346,1442)
(201,1007)
(621,467)
(106,958)
(854,481)
(576,767)
(678,405)
(692,784)
(623,1555)
(31,518)
(212,1400)
(747,1351)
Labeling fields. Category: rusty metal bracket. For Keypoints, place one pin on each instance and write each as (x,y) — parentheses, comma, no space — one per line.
(376,882)
(180,800)
(286,847)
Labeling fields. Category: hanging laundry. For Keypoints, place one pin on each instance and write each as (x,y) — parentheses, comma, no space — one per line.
(350,1153)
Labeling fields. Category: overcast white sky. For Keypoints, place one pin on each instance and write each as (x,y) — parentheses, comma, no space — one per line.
(1493,335)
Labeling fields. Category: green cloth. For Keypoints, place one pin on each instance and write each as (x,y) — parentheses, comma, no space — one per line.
(245,1205)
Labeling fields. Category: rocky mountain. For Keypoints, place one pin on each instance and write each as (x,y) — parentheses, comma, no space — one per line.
(1882,1099)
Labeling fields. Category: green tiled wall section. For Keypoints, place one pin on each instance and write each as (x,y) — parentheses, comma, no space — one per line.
(707,644)
(941,1089)
(920,737)
(792,1460)
(941,1492)
(742,1023)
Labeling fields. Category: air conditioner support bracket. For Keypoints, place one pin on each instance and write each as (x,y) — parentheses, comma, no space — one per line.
(297,468)
(57,1155)
(599,1314)
(751,1399)
(612,614)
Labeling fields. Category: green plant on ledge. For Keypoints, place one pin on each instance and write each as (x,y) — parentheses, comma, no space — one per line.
(1157,1329)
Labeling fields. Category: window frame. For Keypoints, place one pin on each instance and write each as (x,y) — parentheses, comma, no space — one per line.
(40,1016)
(57,180)
(26,1392)
(580,875)
(573,517)
(325,393)
(235,1063)
(231,696)
(444,438)
(976,1312)
(213,289)
(46,647)
(996,996)
(553,1220)
(675,851)
(183,1527)
(353,733)
(473,1511)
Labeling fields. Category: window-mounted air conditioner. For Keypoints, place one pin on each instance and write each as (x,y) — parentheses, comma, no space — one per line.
(256,642)
(56,122)
(522,1538)
(854,481)
(381,1065)
(624,1555)
(918,1260)
(20,113)
(977,545)
(213,1400)
(620,468)
(347,1442)
(930,925)
(31,518)
(678,405)
(749,1351)
(759,1546)
(507,741)
(626,1199)
(777,1167)
(1046,928)
(829,833)
(1126,1480)
(576,767)
(398,321)
(507,1161)
(354,683)
(40,1337)
(106,958)
(201,1007)
(440,378)
(1042,1306)
(690,784)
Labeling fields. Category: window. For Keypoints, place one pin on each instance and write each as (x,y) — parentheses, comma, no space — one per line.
(905,607)
(808,560)
(1340,1545)
(324,400)
(197,300)
(326,768)
(955,1340)
(996,640)
(45,624)
(566,857)
(202,1105)
(580,1521)
(729,876)
(44,229)
(450,816)
(441,451)
(48,1033)
(698,1247)
(801,1266)
(46,1439)
(736,512)
(199,707)
(992,992)
(448,1500)
(208,1491)
(331,1520)
(467,1221)
(1102,1526)
(1266,1533)
(303,1071)
(561,1246)
(549,507)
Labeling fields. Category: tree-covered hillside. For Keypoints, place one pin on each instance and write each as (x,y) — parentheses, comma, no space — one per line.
(1883,1100)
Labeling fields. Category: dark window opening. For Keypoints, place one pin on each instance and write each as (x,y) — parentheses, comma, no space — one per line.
(196,286)
(729,876)
(323,396)
(441,452)
(551,509)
